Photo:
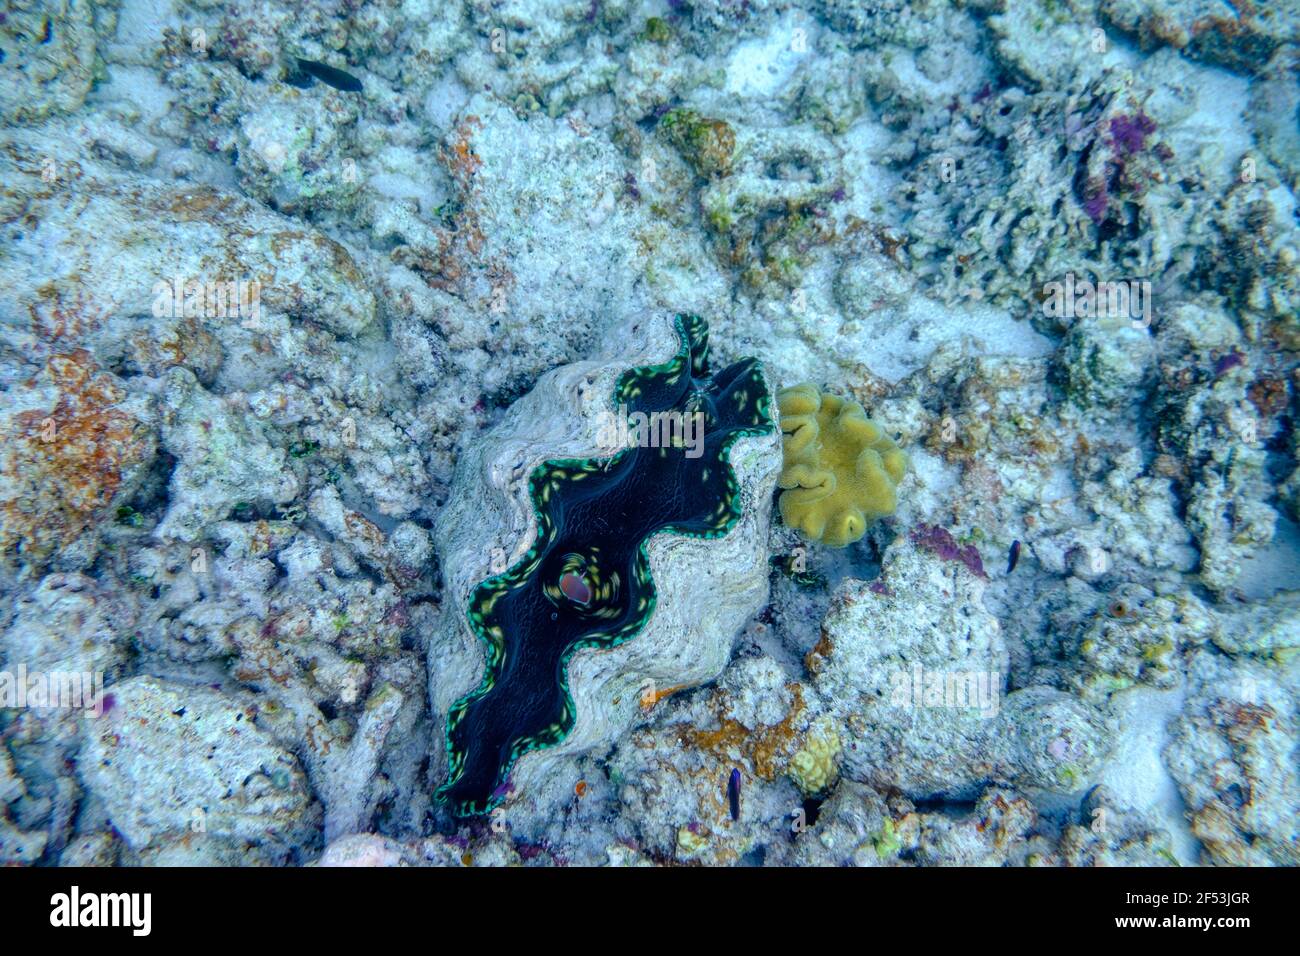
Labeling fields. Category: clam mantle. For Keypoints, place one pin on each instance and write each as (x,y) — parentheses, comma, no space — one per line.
(579,576)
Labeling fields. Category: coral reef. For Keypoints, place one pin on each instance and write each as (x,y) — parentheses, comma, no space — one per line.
(280,354)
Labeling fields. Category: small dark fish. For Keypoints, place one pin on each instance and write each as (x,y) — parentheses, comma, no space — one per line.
(328,74)
(1015,556)
(733,793)
(1228,362)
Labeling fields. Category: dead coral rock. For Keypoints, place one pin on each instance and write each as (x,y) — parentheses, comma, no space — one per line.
(673,776)
(1108,834)
(1232,753)
(96,272)
(1241,36)
(1207,424)
(69,623)
(50,57)
(76,450)
(173,762)
(997,827)
(372,850)
(223,459)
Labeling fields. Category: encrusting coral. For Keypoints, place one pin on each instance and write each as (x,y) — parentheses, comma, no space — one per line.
(841,471)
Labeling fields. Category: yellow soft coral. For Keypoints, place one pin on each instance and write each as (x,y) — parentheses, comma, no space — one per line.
(841,470)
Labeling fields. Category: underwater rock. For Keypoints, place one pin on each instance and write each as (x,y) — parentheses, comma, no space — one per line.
(540,252)
(1239,36)
(1110,834)
(767,212)
(49,57)
(914,667)
(857,826)
(223,459)
(1232,752)
(374,850)
(1136,637)
(1274,100)
(1268,629)
(172,761)
(995,829)
(707,144)
(19,847)
(289,149)
(1048,44)
(1210,435)
(673,601)
(133,250)
(313,633)
(1106,362)
(854,827)
(69,623)
(20,842)
(542,56)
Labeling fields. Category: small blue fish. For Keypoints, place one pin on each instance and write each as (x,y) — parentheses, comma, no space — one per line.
(1015,556)
(733,793)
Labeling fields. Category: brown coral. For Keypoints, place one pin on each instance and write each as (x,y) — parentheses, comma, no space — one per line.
(64,467)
